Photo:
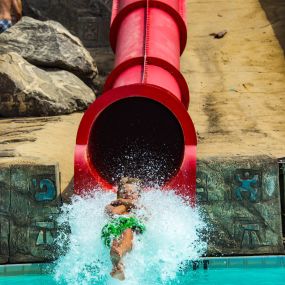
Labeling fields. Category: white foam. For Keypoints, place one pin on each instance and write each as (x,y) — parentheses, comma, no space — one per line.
(171,238)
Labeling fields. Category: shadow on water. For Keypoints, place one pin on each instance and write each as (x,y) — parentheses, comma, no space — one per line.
(275,12)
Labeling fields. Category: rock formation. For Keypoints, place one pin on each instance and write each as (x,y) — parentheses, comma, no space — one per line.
(26,90)
(49,44)
(40,67)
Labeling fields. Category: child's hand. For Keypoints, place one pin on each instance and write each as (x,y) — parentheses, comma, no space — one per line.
(128,203)
(116,203)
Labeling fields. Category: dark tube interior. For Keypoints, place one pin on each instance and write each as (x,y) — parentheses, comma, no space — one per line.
(136,137)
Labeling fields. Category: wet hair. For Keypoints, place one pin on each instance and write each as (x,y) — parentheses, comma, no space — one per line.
(129,180)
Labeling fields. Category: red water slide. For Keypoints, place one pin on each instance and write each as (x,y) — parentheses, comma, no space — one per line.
(140,126)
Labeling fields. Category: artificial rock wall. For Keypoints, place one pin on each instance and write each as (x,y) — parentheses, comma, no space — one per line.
(29,205)
(87,19)
(240,198)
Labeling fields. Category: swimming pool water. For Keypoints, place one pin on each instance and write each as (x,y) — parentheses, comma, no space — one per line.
(252,276)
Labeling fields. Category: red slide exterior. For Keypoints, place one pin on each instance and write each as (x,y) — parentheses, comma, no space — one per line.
(147,37)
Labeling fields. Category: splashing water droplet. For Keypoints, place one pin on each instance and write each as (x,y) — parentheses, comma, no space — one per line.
(170,240)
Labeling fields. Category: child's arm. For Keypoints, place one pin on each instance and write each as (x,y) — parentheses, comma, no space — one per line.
(115,210)
(17,9)
(128,203)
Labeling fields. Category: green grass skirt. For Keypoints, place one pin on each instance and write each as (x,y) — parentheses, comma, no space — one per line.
(118,225)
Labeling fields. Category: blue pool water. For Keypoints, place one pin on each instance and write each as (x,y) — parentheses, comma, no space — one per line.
(159,257)
(252,276)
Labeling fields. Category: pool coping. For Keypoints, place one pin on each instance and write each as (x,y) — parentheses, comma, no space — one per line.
(258,261)
(203,263)
(25,269)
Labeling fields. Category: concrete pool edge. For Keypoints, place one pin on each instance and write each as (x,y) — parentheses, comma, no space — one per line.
(25,269)
(204,263)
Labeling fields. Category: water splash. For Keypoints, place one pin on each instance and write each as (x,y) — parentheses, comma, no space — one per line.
(172,238)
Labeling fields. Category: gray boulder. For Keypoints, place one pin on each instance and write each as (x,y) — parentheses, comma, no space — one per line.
(49,44)
(26,90)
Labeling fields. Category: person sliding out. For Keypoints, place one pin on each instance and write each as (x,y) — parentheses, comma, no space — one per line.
(119,231)
(10,11)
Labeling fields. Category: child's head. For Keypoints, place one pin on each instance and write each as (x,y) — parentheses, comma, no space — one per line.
(129,188)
